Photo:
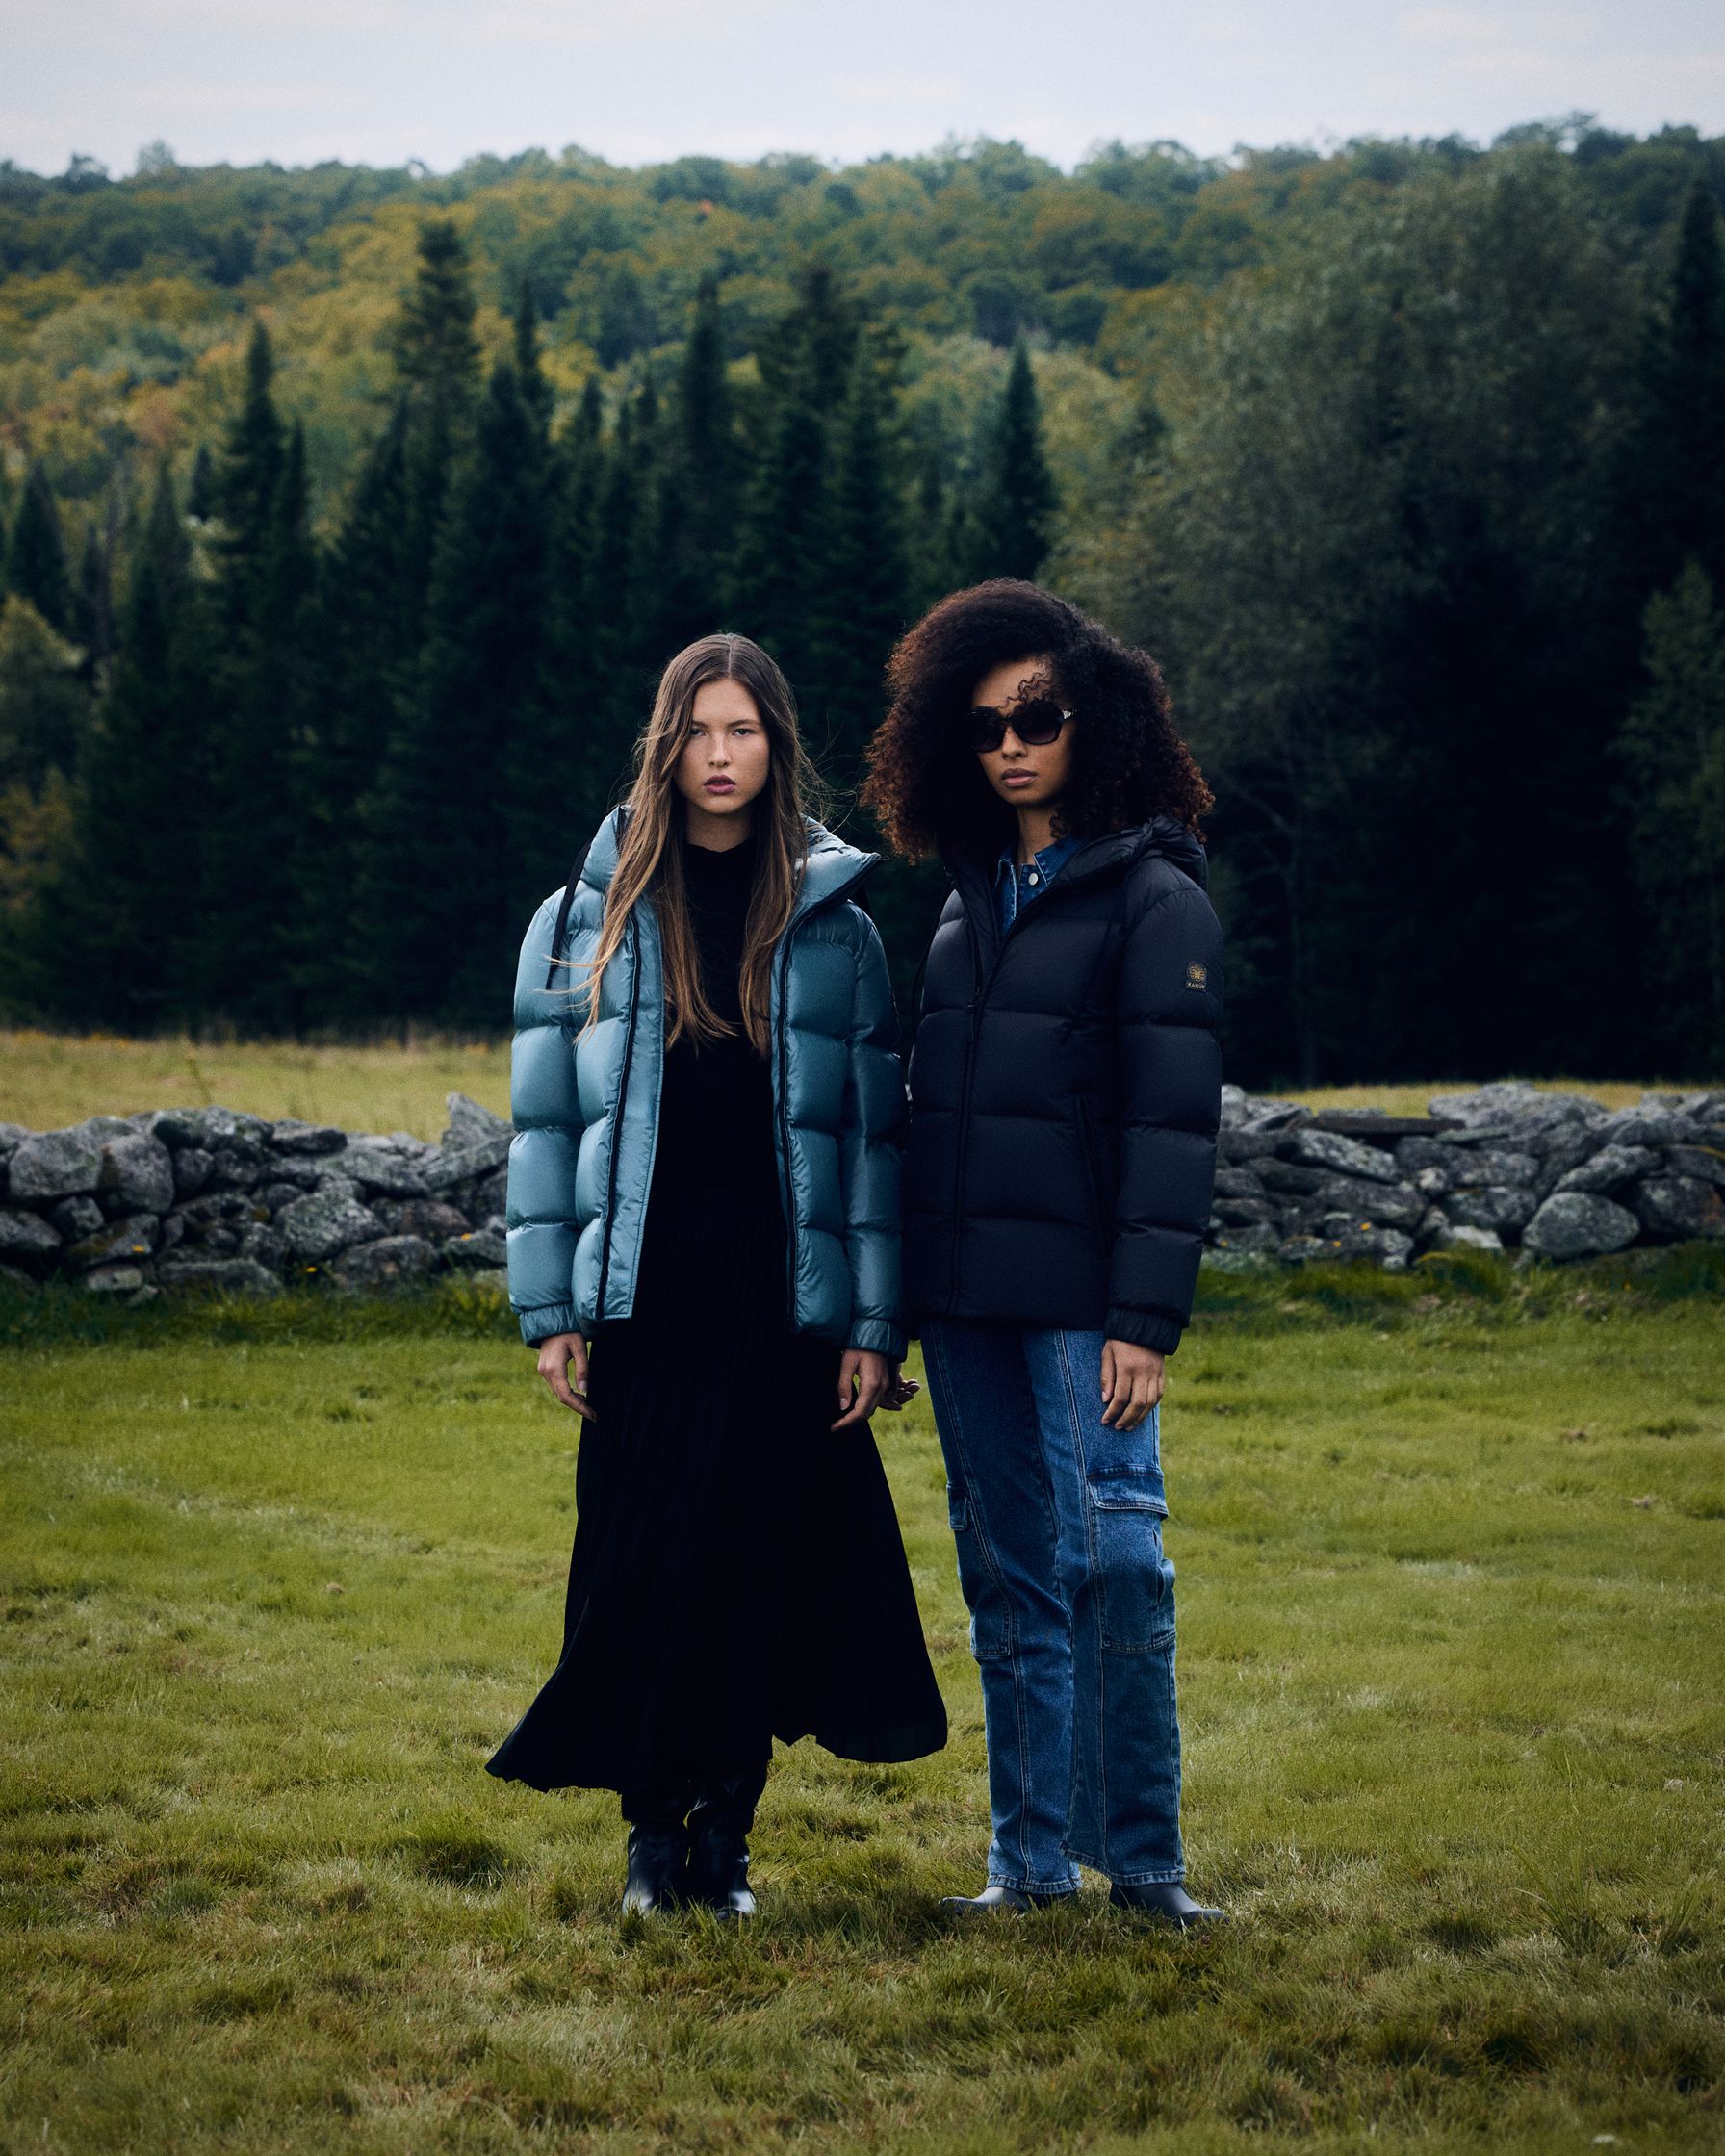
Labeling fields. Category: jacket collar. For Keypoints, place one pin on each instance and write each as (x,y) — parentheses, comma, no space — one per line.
(1113,854)
(832,866)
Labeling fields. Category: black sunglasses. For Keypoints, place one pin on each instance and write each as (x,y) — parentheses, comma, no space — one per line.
(1036,722)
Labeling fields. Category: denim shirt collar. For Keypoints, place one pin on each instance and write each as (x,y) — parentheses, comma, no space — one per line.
(1015,888)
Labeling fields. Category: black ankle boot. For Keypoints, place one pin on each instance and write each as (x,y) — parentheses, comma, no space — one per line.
(658,1869)
(719,1841)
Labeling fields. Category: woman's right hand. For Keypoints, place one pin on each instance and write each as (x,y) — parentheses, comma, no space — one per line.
(563,1366)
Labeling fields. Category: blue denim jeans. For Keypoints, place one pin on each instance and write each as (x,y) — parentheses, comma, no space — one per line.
(1058,1522)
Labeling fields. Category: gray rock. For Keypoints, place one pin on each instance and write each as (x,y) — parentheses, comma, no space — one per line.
(457,1164)
(1492,1164)
(376,1166)
(291,1136)
(1257,1241)
(1342,1156)
(1703,1161)
(491,1193)
(1511,1104)
(387,1263)
(1449,1236)
(328,1221)
(75,1218)
(1233,1106)
(27,1236)
(1389,1248)
(242,1276)
(273,1197)
(1292,1176)
(1647,1126)
(482,1246)
(12,1137)
(239,1167)
(116,1242)
(1238,1182)
(1412,1154)
(1243,1212)
(1278,1114)
(137,1173)
(191,1165)
(1235,1147)
(426,1217)
(114,1279)
(207,1127)
(1433,1182)
(1505,1208)
(264,1245)
(1383,1205)
(1607,1170)
(58,1163)
(470,1124)
(1559,1150)
(1579,1224)
(1678,1208)
(173,1232)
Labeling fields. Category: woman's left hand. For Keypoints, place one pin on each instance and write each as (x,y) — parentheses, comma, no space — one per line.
(1132,1382)
(866,1375)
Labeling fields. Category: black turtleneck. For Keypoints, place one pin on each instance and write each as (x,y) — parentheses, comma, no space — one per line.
(715,1127)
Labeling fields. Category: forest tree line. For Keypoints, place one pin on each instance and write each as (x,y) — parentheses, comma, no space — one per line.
(1423,509)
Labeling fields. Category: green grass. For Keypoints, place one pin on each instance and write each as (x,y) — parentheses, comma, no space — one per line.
(1452,1555)
(50,1079)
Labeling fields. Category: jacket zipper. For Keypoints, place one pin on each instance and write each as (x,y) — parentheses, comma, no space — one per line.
(610,1184)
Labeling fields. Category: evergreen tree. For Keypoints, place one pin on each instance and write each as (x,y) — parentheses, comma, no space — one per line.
(361,658)
(695,502)
(574,703)
(1689,395)
(1672,751)
(529,368)
(44,705)
(35,567)
(117,928)
(1016,505)
(92,605)
(263,576)
(437,357)
(862,599)
(453,841)
(201,493)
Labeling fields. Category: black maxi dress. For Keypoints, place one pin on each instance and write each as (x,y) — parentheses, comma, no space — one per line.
(738,1573)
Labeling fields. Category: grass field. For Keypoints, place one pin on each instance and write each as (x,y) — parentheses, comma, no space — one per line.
(48,1079)
(1453,1584)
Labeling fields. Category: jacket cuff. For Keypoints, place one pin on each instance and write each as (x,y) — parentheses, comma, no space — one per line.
(1145,1328)
(878,1336)
(547,1321)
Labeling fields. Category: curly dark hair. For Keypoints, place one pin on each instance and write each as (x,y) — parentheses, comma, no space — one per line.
(924,787)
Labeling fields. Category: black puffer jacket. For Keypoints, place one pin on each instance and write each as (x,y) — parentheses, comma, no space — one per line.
(1065,1087)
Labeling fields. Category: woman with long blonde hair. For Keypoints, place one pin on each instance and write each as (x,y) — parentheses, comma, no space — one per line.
(703,1247)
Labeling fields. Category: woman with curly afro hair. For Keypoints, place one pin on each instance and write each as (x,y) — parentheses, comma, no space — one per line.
(1064,1096)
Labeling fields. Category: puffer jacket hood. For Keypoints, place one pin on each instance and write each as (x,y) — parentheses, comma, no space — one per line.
(586,1103)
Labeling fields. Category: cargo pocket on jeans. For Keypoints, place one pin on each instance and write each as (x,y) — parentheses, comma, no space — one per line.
(1133,1582)
(990,1634)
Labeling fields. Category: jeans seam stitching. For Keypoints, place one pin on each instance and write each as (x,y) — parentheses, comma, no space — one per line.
(1097,1612)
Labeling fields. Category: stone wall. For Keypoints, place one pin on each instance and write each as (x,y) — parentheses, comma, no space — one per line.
(203,1197)
(1506,1166)
(209,1197)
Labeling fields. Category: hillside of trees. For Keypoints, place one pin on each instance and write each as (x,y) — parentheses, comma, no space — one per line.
(348,514)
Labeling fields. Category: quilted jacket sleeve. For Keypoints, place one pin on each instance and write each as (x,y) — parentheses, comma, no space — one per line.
(545,1106)
(870,1143)
(1170,1104)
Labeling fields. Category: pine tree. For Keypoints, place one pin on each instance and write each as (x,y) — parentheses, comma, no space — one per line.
(1013,513)
(452,840)
(437,358)
(44,705)
(201,493)
(361,656)
(35,567)
(574,703)
(530,366)
(696,495)
(118,930)
(1691,391)
(264,575)
(1673,750)
(92,604)
(862,599)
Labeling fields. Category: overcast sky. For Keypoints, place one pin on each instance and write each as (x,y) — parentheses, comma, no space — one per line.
(381,81)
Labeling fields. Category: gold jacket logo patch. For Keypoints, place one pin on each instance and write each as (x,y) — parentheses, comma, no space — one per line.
(1197,976)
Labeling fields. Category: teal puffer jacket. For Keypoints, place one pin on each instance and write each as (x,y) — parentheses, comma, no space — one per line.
(585,1105)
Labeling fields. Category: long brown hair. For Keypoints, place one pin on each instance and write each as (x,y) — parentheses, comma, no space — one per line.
(650,854)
